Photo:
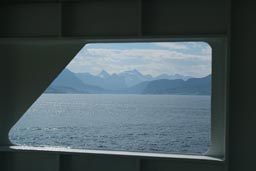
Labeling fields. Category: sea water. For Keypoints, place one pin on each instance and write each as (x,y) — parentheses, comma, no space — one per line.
(141,123)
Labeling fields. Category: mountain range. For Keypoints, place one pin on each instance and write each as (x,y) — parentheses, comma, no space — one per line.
(67,82)
(128,82)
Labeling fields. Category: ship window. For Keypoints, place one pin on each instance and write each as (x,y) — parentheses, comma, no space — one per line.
(131,96)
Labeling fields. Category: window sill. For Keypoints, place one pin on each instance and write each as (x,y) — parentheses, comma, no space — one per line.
(72,151)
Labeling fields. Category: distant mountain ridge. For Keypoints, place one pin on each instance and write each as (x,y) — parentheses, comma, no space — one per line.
(134,77)
(196,86)
(67,82)
(104,80)
(129,82)
(173,77)
(122,80)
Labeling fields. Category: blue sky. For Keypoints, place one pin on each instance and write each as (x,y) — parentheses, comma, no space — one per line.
(154,58)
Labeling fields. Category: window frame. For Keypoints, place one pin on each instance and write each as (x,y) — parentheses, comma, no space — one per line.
(219,98)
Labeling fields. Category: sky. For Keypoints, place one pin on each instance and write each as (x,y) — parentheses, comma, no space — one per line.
(154,58)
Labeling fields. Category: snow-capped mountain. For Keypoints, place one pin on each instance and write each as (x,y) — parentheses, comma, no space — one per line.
(134,77)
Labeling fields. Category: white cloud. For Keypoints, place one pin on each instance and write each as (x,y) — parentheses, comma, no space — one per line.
(207,50)
(171,45)
(147,54)
(147,61)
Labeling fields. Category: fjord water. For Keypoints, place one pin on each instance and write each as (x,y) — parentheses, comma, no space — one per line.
(144,123)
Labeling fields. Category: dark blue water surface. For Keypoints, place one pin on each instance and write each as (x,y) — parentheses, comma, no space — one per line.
(144,123)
